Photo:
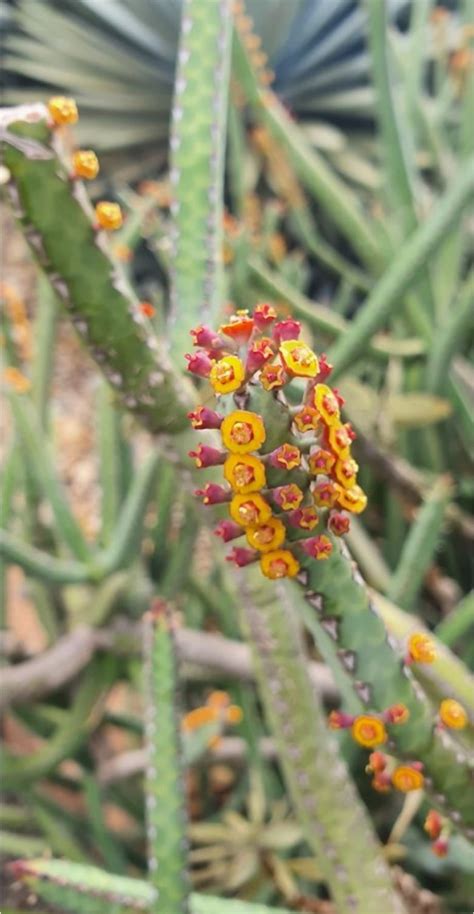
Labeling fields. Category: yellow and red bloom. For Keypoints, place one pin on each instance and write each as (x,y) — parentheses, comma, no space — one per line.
(206,337)
(324,494)
(321,462)
(421,648)
(202,417)
(85,164)
(345,472)
(396,714)
(242,431)
(264,314)
(245,473)
(241,556)
(272,376)
(206,456)
(338,523)
(259,352)
(227,374)
(298,359)
(338,720)
(108,215)
(353,499)
(213,494)
(288,497)
(285,457)
(327,404)
(286,330)
(279,564)
(239,326)
(433,824)
(407,778)
(63,110)
(339,439)
(228,530)
(267,537)
(317,547)
(369,731)
(199,363)
(305,518)
(307,419)
(250,510)
(452,714)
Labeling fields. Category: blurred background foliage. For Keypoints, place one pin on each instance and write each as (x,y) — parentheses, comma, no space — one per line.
(392,121)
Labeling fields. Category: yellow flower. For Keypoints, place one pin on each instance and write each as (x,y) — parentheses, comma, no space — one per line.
(298,359)
(327,404)
(368,731)
(63,110)
(346,472)
(249,510)
(421,648)
(306,419)
(353,499)
(407,778)
(242,431)
(272,376)
(227,374)
(279,564)
(268,536)
(339,440)
(85,164)
(15,379)
(453,714)
(244,473)
(108,215)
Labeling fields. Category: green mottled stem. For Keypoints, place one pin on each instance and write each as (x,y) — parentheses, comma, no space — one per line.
(321,790)
(197,166)
(58,223)
(165,809)
(343,606)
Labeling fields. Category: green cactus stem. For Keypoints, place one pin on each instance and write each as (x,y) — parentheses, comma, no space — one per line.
(197,165)
(58,223)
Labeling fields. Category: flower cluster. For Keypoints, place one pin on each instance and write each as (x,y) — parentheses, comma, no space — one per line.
(277,496)
(217,710)
(438,830)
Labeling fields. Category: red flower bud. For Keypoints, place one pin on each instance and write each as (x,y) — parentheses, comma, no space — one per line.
(287,497)
(240,556)
(338,523)
(433,824)
(260,351)
(377,762)
(286,330)
(338,720)
(206,337)
(338,396)
(212,494)
(206,456)
(303,518)
(396,714)
(440,847)
(199,363)
(205,418)
(317,547)
(325,369)
(227,530)
(285,457)
(264,315)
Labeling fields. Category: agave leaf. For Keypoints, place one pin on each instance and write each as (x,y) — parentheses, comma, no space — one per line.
(280,836)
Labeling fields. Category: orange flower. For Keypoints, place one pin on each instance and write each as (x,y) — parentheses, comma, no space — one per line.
(433,824)
(279,564)
(368,731)
(239,326)
(245,473)
(307,419)
(249,510)
(242,431)
(268,536)
(397,714)
(321,461)
(339,440)
(108,215)
(272,376)
(227,374)
(407,778)
(298,359)
(146,308)
(353,499)
(327,404)
(421,648)
(198,717)
(63,110)
(16,380)
(452,714)
(346,472)
(85,164)
(324,494)
(377,762)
